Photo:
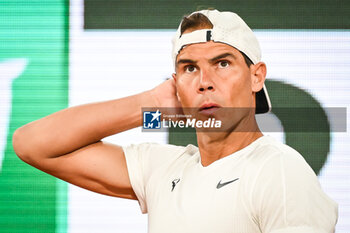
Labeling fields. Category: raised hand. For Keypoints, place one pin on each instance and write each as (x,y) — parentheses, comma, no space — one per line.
(165,95)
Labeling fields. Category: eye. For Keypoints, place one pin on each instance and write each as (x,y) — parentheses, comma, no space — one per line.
(223,64)
(190,69)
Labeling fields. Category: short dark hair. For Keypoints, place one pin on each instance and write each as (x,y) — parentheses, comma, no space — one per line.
(199,21)
(195,21)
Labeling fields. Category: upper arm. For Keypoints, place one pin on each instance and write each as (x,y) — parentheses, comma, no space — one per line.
(99,167)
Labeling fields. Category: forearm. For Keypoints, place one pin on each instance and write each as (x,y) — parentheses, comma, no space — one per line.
(72,128)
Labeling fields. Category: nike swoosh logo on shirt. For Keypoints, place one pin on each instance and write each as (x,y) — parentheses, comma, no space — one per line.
(220,185)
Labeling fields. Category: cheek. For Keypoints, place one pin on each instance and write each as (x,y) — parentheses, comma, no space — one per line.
(185,83)
(232,79)
(238,86)
(183,92)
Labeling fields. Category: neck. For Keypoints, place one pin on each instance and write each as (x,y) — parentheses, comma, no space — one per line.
(216,145)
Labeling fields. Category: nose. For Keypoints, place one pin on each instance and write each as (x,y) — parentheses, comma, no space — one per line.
(205,81)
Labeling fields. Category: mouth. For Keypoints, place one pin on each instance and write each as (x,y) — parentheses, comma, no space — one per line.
(208,109)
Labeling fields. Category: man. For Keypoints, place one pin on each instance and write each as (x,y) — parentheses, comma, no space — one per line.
(237,180)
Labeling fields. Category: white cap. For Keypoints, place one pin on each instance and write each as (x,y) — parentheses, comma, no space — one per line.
(230,29)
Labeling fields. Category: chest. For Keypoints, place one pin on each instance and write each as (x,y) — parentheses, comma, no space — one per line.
(196,199)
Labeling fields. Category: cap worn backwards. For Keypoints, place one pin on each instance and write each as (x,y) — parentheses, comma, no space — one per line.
(228,28)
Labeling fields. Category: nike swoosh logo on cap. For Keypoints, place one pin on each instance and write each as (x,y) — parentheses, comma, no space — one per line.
(220,185)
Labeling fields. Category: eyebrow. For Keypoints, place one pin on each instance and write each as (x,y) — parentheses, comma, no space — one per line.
(212,60)
(185,61)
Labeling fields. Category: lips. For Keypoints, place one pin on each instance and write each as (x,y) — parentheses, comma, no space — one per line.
(208,108)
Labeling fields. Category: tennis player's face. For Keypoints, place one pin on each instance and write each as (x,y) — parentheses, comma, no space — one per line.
(214,75)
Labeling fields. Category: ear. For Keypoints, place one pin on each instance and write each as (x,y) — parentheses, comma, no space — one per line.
(174,76)
(177,93)
(258,75)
